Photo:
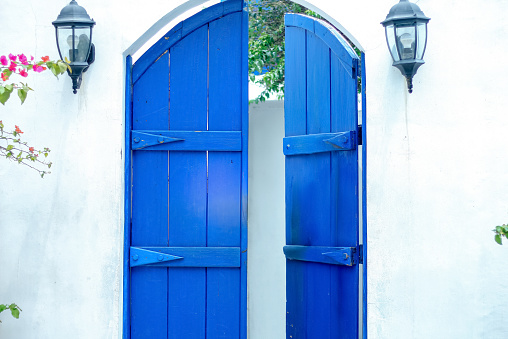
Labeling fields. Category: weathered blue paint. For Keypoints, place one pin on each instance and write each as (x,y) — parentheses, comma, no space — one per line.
(321,188)
(127,197)
(187,140)
(322,142)
(364,192)
(323,254)
(189,179)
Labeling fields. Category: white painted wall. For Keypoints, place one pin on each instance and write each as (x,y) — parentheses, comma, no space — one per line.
(437,175)
(266,269)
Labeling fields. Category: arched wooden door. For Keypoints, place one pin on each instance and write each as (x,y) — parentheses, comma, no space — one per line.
(186,181)
(322,182)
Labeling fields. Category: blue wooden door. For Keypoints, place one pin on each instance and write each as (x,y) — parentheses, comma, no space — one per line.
(186,179)
(322,216)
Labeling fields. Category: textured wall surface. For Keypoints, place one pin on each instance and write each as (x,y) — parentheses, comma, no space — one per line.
(437,178)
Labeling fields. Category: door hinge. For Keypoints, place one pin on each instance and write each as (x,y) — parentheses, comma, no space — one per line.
(355,71)
(359,131)
(360,254)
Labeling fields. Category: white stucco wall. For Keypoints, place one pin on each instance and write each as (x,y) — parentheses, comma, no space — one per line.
(437,178)
(266,269)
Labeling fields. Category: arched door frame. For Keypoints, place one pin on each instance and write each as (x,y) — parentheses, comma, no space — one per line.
(156,29)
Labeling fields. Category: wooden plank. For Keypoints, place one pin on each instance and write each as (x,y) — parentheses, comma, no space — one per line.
(149,201)
(188,185)
(198,256)
(322,254)
(224,174)
(295,124)
(345,169)
(316,195)
(187,140)
(318,143)
(126,333)
(295,98)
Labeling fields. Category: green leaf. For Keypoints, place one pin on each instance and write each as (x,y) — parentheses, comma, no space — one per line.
(55,69)
(498,239)
(2,307)
(9,88)
(2,89)
(63,67)
(15,313)
(10,147)
(4,97)
(22,95)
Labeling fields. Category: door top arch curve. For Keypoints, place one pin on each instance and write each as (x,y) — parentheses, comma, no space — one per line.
(190,4)
(180,31)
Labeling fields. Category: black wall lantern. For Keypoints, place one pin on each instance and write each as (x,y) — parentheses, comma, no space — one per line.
(74,40)
(406,35)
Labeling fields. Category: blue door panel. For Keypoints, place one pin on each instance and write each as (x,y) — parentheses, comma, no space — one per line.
(187,190)
(321,188)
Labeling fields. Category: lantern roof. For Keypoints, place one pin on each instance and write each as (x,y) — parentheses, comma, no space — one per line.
(73,14)
(405,10)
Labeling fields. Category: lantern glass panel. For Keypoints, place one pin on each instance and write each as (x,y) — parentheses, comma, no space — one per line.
(406,41)
(81,43)
(390,40)
(421,30)
(63,33)
(74,43)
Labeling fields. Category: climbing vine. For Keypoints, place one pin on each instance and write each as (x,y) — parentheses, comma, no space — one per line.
(266,44)
(12,147)
(12,307)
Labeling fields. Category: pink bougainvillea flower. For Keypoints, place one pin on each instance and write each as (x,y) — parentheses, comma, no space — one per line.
(12,67)
(31,149)
(4,77)
(32,58)
(23,73)
(12,57)
(38,69)
(18,130)
(45,58)
(23,59)
(3,60)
